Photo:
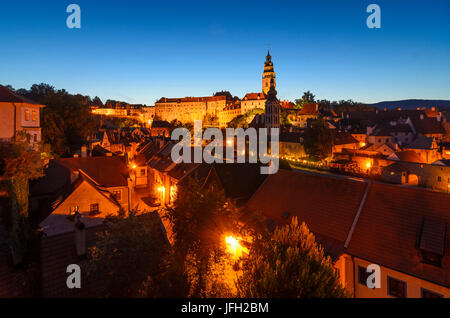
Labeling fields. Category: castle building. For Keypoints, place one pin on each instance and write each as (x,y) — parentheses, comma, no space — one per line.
(225,108)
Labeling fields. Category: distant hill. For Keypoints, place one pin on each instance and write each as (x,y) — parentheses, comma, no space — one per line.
(411,103)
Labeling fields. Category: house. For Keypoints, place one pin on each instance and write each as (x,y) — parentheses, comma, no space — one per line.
(307,113)
(400,229)
(426,148)
(19,114)
(252,101)
(392,132)
(399,174)
(94,186)
(427,126)
(291,145)
(343,140)
(160,128)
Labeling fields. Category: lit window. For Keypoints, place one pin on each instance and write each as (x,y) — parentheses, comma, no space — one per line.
(94,208)
(396,288)
(34,116)
(27,115)
(117,194)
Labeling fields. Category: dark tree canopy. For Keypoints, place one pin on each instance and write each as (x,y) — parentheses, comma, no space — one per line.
(318,140)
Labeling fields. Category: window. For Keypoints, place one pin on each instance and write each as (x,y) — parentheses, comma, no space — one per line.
(117,194)
(27,115)
(142,172)
(429,294)
(363,275)
(396,288)
(73,209)
(35,137)
(33,116)
(94,208)
(431,258)
(439,178)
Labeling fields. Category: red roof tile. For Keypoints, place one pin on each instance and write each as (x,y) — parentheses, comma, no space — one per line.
(390,225)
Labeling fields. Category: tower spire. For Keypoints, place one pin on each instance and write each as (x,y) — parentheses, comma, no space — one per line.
(268,75)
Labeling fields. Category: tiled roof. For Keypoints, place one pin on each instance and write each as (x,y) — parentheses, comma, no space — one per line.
(408,156)
(254,96)
(106,171)
(327,204)
(421,142)
(309,109)
(390,225)
(427,125)
(160,124)
(8,96)
(342,138)
(394,224)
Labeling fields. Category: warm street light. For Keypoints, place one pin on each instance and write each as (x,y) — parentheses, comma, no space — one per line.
(234,247)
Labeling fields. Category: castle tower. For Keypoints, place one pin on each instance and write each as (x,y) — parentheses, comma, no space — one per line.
(273,107)
(268,74)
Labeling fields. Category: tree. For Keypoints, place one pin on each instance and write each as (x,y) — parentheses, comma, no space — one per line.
(19,163)
(242,121)
(307,98)
(318,141)
(66,122)
(210,120)
(97,101)
(201,217)
(129,254)
(289,265)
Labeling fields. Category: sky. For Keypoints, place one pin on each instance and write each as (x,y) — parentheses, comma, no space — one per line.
(139,51)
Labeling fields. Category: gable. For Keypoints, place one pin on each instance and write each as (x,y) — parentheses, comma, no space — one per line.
(83,196)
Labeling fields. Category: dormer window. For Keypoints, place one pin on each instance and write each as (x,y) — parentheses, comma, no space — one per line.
(432,241)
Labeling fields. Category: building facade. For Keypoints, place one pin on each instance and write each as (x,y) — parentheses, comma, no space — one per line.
(18,114)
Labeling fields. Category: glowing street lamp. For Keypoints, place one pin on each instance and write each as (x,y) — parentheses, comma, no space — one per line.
(234,247)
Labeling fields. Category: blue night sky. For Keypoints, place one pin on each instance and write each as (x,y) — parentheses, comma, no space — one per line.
(138,51)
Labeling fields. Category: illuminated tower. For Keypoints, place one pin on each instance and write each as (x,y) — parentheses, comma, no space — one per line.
(273,108)
(268,75)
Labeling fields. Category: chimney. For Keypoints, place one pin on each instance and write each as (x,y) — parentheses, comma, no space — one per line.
(84,152)
(80,235)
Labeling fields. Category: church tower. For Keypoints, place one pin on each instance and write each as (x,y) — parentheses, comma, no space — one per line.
(268,75)
(273,107)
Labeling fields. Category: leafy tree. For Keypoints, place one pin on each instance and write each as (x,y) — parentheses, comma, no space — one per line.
(97,101)
(19,163)
(128,255)
(289,265)
(242,121)
(318,140)
(307,98)
(201,217)
(210,120)
(67,122)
